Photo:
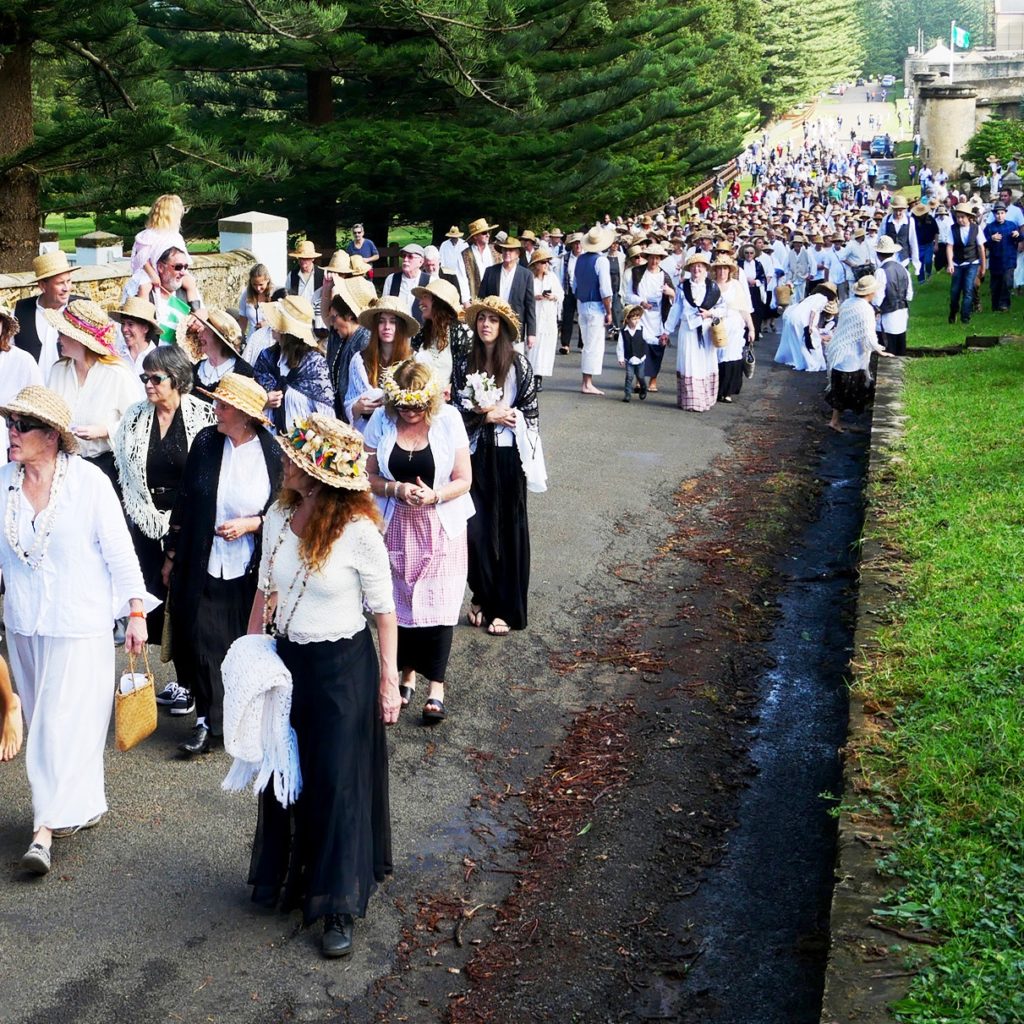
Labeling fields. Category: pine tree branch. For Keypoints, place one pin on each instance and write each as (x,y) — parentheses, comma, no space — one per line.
(201,159)
(470,25)
(103,66)
(268,24)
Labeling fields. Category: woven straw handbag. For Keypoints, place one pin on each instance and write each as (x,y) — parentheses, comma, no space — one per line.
(719,335)
(135,711)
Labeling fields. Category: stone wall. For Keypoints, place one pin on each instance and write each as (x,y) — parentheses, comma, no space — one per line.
(220,276)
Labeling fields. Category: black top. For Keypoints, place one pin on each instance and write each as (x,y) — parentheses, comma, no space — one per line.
(165,462)
(406,466)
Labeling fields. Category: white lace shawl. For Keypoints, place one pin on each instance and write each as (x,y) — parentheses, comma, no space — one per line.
(131,452)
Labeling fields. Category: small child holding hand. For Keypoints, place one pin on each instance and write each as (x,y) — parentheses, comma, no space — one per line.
(631,351)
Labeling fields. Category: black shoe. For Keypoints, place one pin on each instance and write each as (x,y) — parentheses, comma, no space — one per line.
(200,742)
(643,394)
(627,398)
(337,940)
(952,318)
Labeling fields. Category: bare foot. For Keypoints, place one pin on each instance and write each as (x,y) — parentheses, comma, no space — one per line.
(11,731)
(838,429)
(591,391)
(475,615)
(498,627)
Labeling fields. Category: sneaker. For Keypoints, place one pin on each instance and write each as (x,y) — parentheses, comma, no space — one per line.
(36,859)
(183,704)
(70,830)
(169,694)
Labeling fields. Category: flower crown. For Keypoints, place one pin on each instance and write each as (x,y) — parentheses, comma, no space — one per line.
(408,398)
(324,454)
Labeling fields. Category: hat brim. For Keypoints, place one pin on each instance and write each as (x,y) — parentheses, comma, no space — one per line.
(285,324)
(412,325)
(235,347)
(54,273)
(475,308)
(419,292)
(314,255)
(479,231)
(600,244)
(118,317)
(226,398)
(310,468)
(55,318)
(68,440)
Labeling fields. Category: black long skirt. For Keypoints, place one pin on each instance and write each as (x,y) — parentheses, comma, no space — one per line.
(425,649)
(151,561)
(730,378)
(329,850)
(850,391)
(499,536)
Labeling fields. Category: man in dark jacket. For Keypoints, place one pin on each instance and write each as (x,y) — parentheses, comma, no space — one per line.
(1001,239)
(513,283)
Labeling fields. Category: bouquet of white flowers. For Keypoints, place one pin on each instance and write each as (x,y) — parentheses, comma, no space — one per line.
(481,392)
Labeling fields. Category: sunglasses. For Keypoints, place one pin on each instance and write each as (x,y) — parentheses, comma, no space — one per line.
(24,426)
(156,379)
(178,267)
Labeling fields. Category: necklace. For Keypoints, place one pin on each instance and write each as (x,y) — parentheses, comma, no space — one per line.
(267,583)
(44,522)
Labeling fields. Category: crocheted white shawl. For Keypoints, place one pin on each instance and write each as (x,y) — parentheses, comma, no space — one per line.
(131,452)
(257,719)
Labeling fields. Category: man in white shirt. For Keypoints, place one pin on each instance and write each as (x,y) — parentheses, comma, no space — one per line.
(895,290)
(38,337)
(835,267)
(412,276)
(450,250)
(476,258)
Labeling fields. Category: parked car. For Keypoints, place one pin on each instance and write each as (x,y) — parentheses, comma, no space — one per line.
(860,81)
(887,178)
(836,90)
(877,147)
(888,81)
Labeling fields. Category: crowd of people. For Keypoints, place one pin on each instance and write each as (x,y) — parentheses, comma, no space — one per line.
(192,476)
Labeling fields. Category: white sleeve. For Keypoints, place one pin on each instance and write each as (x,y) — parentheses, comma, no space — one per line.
(358,382)
(370,558)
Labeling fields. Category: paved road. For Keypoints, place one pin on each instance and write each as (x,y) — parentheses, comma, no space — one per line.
(146,918)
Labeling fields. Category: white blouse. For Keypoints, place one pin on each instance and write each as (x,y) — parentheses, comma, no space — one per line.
(330,606)
(209,375)
(110,389)
(89,571)
(17,370)
(242,490)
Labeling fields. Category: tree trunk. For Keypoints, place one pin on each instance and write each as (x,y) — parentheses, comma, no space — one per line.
(19,188)
(321,210)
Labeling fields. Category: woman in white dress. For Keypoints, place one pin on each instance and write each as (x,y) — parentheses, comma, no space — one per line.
(698,302)
(69,568)
(650,286)
(739,325)
(799,323)
(17,369)
(548,293)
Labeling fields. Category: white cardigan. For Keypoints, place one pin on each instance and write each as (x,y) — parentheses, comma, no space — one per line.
(447,434)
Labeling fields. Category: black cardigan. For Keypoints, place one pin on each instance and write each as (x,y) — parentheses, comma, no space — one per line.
(193,522)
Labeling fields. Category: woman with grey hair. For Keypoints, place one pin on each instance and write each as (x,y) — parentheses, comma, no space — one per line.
(150,448)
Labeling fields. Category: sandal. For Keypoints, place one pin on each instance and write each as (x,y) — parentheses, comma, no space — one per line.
(433,710)
(406,693)
(498,627)
(475,616)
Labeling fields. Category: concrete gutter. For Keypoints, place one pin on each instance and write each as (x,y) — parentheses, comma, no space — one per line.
(864,974)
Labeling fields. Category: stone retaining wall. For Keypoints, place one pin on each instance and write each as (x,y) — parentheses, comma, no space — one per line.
(220,276)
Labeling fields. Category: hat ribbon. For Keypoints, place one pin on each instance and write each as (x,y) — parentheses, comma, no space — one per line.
(101,334)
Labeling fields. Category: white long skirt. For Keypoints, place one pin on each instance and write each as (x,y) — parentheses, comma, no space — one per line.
(67,692)
(542,355)
(592,334)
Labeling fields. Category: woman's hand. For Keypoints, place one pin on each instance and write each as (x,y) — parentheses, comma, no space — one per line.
(235,528)
(390,699)
(364,406)
(274,399)
(91,432)
(135,635)
(501,416)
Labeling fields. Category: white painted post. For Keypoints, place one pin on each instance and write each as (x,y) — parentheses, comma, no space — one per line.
(98,248)
(264,235)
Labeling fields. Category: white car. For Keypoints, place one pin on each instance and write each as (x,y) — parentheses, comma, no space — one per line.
(888,81)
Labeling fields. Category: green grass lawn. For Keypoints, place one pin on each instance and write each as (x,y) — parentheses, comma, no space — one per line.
(929,313)
(951,769)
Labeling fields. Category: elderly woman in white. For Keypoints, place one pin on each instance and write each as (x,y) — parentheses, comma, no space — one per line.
(69,568)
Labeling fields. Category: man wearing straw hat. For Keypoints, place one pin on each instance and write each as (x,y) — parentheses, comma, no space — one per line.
(451,249)
(592,286)
(893,293)
(306,279)
(476,258)
(965,262)
(37,336)
(511,281)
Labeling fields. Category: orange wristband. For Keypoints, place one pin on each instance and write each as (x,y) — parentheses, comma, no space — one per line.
(136,615)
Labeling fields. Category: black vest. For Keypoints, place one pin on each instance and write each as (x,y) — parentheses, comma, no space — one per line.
(396,287)
(897,280)
(965,252)
(901,236)
(293,280)
(633,344)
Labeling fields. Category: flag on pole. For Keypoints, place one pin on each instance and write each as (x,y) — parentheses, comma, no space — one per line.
(961,38)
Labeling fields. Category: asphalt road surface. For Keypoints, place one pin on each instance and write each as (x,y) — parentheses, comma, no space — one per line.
(147,917)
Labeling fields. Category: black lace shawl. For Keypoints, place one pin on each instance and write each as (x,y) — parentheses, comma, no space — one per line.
(481,433)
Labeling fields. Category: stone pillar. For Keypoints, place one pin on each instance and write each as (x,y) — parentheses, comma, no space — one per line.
(49,241)
(947,119)
(98,248)
(264,235)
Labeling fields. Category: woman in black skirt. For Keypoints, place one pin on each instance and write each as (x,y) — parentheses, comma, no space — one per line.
(739,325)
(499,533)
(323,558)
(213,547)
(848,353)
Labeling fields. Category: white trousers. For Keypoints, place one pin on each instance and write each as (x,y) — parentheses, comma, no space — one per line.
(67,692)
(592,334)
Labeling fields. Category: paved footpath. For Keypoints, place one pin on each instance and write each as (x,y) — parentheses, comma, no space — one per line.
(147,917)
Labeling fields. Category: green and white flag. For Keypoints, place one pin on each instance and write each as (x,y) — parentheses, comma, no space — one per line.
(961,38)
(175,311)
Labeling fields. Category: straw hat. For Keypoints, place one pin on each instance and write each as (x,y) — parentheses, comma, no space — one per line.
(293,315)
(340,262)
(630,310)
(527,236)
(358,267)
(356,292)
(555,233)
(598,239)
(695,258)
(478,226)
(136,309)
(826,286)
(305,250)
(508,243)
(453,232)
(443,291)
(389,304)
(327,450)
(242,393)
(831,307)
(225,327)
(654,249)
(899,202)
(886,246)
(492,304)
(50,264)
(575,236)
(964,208)
(9,325)
(920,210)
(859,234)
(48,407)
(865,286)
(86,322)
(540,255)
(723,260)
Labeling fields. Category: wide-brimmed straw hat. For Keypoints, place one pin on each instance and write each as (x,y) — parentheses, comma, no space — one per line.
(453,232)
(442,291)
(389,304)
(305,250)
(527,236)
(339,263)
(493,304)
(695,258)
(865,286)
(827,286)
(293,315)
(886,246)
(358,267)
(50,264)
(327,450)
(540,255)
(478,226)
(135,308)
(598,239)
(242,393)
(653,249)
(508,243)
(831,307)
(920,209)
(87,322)
(556,233)
(965,208)
(225,327)
(48,407)
(899,202)
(356,292)
(724,260)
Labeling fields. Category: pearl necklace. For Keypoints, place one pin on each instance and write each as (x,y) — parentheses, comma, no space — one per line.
(44,522)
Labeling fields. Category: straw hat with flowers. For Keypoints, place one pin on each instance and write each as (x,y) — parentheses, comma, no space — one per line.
(46,406)
(84,321)
(293,315)
(242,393)
(493,304)
(329,451)
(396,307)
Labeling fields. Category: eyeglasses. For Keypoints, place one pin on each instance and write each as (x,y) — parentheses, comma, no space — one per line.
(25,426)
(156,379)
(177,267)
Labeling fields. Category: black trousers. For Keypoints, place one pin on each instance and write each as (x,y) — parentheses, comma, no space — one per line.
(568,316)
(1001,284)
(895,343)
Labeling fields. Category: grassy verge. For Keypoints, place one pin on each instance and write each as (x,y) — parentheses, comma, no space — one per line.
(951,675)
(929,326)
